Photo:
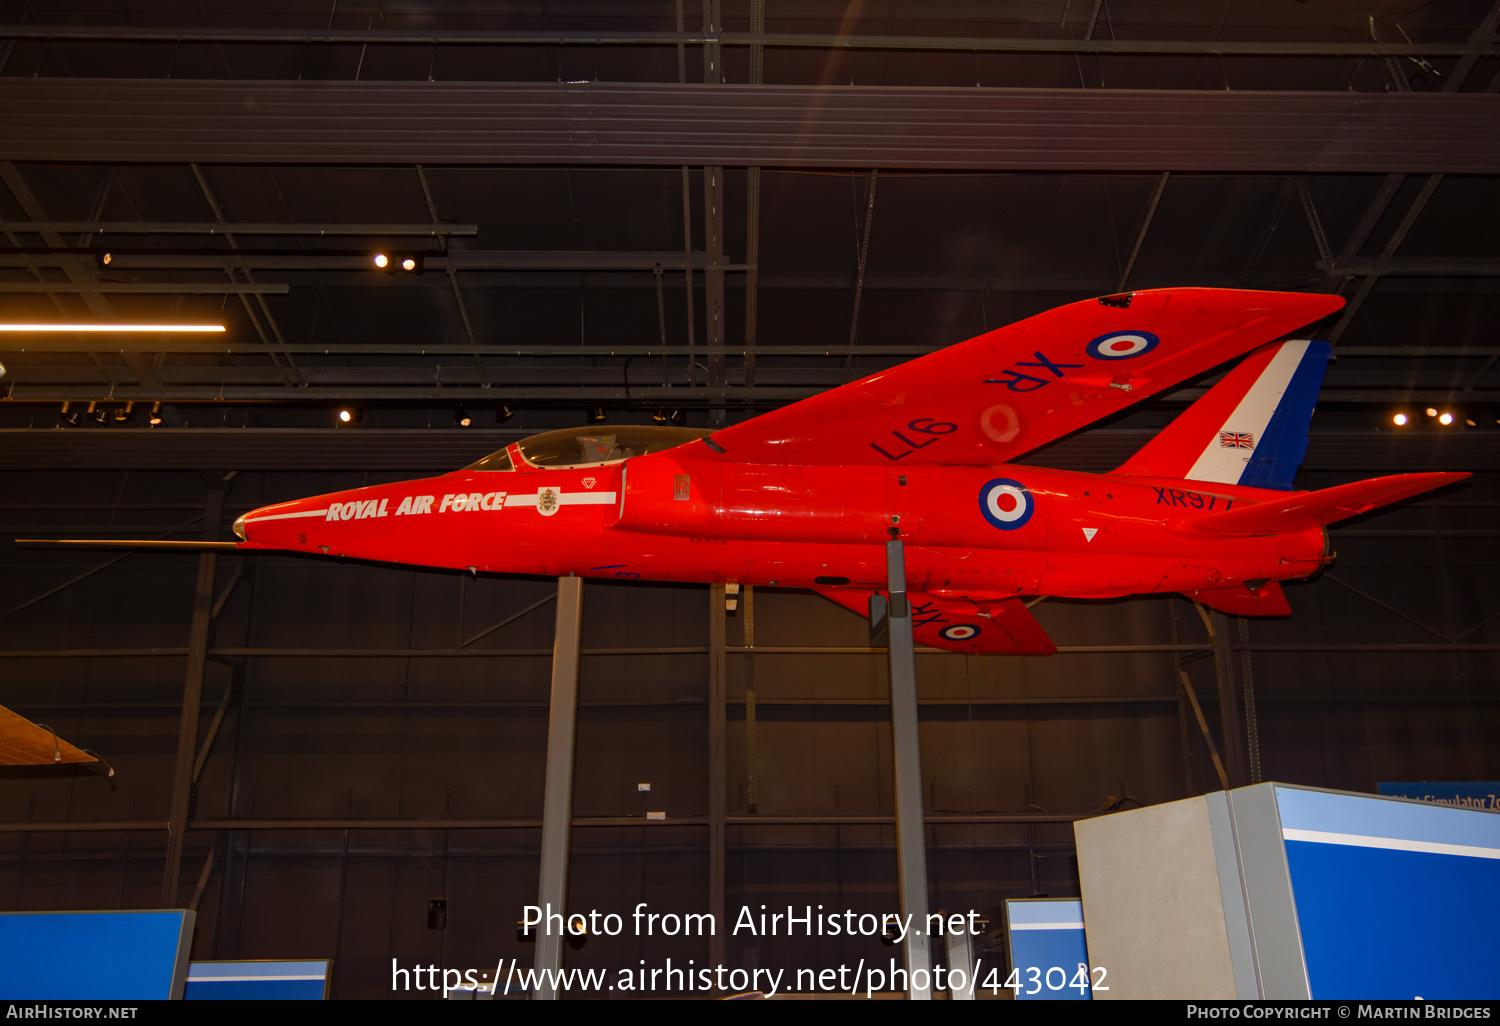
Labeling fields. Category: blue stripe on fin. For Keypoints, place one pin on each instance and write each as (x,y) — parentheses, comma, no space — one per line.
(1279,450)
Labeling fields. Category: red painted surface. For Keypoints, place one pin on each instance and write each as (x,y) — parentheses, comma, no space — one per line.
(807,496)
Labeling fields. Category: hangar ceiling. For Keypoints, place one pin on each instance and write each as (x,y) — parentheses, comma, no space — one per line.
(707,209)
(715,209)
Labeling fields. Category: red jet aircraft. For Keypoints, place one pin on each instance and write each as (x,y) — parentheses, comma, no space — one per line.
(808,495)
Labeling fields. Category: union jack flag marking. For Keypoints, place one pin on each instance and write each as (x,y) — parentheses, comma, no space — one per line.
(1236,440)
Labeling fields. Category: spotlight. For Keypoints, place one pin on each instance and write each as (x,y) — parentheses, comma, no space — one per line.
(503,414)
(99,415)
(411,263)
(1400,420)
(1445,418)
(1431,411)
(105,259)
(155,415)
(597,415)
(349,414)
(124,414)
(462,418)
(69,417)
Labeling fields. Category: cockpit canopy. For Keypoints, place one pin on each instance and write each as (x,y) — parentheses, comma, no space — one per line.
(590,446)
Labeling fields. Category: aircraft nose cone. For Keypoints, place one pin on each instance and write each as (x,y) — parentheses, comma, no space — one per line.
(239,528)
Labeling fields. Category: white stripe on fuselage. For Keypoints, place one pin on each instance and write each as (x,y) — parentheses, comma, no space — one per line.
(1225,464)
(291,516)
(563,498)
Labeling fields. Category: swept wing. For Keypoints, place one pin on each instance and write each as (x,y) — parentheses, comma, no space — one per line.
(1009,391)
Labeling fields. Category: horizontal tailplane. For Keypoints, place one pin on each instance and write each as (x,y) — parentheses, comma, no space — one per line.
(1304,511)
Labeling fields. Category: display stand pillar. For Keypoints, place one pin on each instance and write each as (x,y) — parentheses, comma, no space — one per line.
(557,800)
(911,840)
(192,699)
(717,768)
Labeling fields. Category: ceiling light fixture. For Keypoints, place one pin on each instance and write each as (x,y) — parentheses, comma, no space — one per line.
(68,417)
(411,263)
(155,420)
(597,415)
(462,418)
(1445,418)
(1400,420)
(95,326)
(98,414)
(123,414)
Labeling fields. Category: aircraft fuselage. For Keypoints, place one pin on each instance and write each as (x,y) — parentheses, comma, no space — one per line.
(980,531)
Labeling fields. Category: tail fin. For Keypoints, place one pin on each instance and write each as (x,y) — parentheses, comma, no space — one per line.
(1249,429)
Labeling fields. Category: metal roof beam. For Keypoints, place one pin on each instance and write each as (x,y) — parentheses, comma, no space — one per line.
(222,228)
(1481,45)
(315,260)
(580,395)
(170,288)
(344,123)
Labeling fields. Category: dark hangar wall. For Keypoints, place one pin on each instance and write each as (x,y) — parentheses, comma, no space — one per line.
(378,732)
(1387,670)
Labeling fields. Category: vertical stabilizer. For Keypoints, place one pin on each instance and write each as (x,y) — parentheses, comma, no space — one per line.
(1250,428)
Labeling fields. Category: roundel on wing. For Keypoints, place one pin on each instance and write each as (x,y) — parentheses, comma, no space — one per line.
(1006,504)
(959,632)
(1122,345)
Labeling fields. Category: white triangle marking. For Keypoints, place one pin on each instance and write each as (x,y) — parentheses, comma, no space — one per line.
(1089,532)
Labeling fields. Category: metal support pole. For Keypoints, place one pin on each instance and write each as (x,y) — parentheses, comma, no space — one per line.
(717,770)
(557,801)
(911,841)
(1140,235)
(713,282)
(960,960)
(192,699)
(1229,702)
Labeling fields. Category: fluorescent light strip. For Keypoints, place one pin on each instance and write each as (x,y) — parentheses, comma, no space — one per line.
(111,327)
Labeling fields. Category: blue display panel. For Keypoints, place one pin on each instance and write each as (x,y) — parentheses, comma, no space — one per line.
(94,956)
(258,981)
(1462,794)
(1394,899)
(1048,947)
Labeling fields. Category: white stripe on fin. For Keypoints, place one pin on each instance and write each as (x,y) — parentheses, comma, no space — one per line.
(1226,464)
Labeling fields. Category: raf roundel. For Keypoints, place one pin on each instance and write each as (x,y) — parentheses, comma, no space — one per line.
(1122,345)
(1006,504)
(959,632)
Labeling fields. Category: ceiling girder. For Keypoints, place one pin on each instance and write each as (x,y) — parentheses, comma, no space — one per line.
(260,123)
(426,450)
(1481,44)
